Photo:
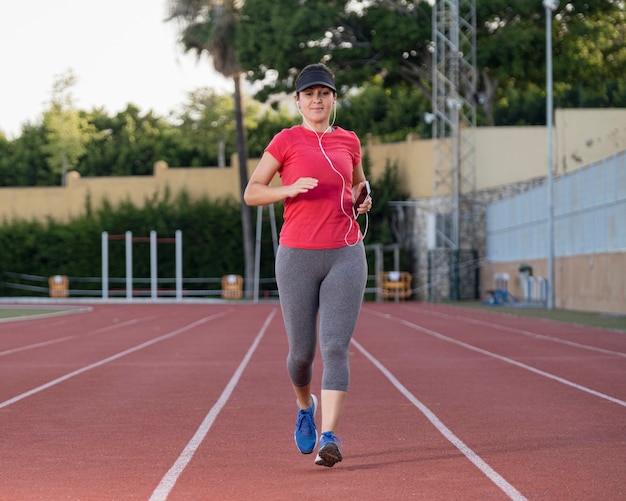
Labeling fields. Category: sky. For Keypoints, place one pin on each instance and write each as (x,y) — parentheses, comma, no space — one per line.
(120,51)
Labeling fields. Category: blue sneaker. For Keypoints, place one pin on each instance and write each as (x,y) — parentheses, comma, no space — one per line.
(329,452)
(306,432)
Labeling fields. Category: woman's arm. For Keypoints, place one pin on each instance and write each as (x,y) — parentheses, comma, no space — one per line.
(358,175)
(259,192)
(358,184)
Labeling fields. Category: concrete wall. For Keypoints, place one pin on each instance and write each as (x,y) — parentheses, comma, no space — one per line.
(509,155)
(414,158)
(583,137)
(592,282)
(589,236)
(65,203)
(508,159)
(504,155)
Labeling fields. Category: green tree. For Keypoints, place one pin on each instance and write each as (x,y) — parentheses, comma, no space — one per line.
(390,114)
(588,58)
(275,39)
(208,126)
(27,163)
(392,40)
(266,124)
(359,40)
(67,130)
(386,188)
(6,148)
(209,26)
(129,143)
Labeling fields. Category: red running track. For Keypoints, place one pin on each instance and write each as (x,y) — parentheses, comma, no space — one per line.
(192,402)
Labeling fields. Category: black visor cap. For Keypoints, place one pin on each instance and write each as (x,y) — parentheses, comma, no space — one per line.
(315,77)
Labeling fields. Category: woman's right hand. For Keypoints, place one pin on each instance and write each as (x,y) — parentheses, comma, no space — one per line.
(259,191)
(302,185)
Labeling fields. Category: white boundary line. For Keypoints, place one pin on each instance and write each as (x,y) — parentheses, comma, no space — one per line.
(35,345)
(169,480)
(37,316)
(525,332)
(503,359)
(104,361)
(494,476)
(67,338)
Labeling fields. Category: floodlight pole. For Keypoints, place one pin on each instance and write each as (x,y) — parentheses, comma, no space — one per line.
(550,6)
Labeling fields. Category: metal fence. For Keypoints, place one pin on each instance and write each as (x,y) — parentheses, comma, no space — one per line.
(452,275)
(589,216)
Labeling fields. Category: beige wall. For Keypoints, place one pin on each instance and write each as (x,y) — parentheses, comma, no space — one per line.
(415,163)
(595,282)
(586,282)
(504,155)
(65,203)
(508,155)
(583,137)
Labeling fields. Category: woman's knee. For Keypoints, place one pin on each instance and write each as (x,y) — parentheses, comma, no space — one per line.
(300,361)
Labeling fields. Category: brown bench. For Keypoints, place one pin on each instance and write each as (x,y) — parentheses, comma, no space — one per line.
(232,287)
(395,285)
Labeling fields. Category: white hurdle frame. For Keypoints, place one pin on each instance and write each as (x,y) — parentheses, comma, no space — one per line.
(128,238)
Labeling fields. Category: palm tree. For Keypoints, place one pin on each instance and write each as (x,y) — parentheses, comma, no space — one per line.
(209,26)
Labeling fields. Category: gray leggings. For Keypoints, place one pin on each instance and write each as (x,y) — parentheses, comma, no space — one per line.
(330,282)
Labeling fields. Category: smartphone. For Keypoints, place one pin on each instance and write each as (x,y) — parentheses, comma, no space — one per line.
(366,192)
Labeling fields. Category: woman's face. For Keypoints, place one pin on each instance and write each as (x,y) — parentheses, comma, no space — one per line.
(316,103)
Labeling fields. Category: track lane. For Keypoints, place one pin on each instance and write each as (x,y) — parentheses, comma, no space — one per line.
(585,364)
(104,433)
(112,432)
(171,477)
(604,339)
(571,440)
(83,342)
(250,453)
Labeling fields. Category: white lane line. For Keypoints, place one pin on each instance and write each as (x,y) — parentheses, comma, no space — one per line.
(505,359)
(494,476)
(113,327)
(104,361)
(169,480)
(66,338)
(36,345)
(525,333)
(50,314)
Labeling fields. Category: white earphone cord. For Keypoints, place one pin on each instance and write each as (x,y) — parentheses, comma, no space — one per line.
(351,218)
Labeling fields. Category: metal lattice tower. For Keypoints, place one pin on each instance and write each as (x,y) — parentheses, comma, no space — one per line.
(454,99)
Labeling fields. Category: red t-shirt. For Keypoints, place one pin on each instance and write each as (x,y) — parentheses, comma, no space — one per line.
(315,220)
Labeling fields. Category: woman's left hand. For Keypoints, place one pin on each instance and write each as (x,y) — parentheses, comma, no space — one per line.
(365,206)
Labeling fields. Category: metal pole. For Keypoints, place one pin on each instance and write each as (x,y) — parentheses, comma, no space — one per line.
(179,265)
(257,252)
(129,265)
(274,229)
(105,265)
(550,6)
(153,264)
